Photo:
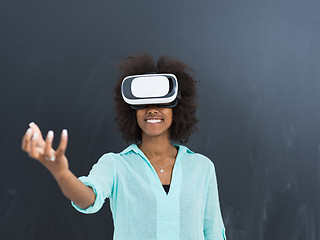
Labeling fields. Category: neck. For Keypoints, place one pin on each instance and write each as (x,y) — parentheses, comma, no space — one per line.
(156,146)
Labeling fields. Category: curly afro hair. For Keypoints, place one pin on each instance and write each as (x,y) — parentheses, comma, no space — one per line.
(184,114)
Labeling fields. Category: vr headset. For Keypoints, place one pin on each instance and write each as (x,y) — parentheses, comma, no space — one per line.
(140,91)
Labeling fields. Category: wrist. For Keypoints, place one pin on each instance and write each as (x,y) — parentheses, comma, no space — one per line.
(60,176)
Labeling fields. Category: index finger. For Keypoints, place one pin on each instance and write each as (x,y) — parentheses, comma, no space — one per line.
(63,143)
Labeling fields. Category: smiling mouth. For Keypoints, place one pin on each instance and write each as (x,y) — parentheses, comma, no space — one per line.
(153,120)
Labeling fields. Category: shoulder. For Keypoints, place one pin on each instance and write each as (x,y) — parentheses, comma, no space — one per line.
(196,158)
(111,156)
(108,157)
(204,161)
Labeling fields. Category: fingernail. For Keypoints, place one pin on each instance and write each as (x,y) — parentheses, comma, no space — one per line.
(29,131)
(31,124)
(35,136)
(64,132)
(50,134)
(50,158)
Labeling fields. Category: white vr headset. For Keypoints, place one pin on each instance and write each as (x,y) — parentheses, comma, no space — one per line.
(150,89)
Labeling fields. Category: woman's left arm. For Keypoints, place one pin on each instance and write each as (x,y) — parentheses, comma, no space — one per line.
(213,224)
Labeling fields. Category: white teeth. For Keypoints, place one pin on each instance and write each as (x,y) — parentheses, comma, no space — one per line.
(153,120)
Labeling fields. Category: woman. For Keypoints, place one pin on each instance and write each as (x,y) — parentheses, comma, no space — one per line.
(157,189)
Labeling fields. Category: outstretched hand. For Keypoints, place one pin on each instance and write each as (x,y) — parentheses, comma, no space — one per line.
(38,148)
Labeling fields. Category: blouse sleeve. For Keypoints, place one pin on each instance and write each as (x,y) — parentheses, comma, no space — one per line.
(213,223)
(101,180)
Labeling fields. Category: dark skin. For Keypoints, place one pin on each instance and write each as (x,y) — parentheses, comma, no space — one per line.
(154,122)
(57,164)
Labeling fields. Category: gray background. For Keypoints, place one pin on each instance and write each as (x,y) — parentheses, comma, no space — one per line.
(258,66)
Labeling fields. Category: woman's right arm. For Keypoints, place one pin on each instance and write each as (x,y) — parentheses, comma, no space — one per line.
(56,162)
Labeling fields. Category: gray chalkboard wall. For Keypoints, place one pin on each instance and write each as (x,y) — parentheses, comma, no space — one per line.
(259,96)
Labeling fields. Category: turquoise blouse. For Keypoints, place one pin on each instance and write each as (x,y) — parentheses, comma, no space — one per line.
(141,209)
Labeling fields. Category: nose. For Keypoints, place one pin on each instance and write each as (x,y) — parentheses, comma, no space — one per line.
(152,109)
